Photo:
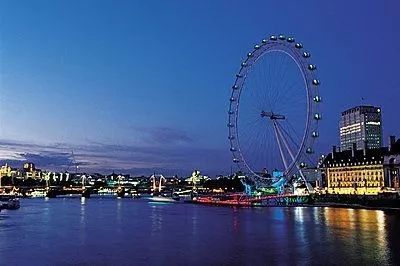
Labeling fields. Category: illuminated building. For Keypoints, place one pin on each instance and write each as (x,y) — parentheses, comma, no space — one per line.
(313,176)
(29,167)
(5,170)
(30,171)
(392,163)
(367,171)
(361,125)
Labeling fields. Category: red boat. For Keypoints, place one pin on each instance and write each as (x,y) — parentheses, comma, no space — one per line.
(243,200)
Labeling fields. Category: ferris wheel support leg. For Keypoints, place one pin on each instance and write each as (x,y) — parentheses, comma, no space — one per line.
(290,153)
(280,145)
(285,143)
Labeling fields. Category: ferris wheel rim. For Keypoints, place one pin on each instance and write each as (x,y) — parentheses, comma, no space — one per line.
(310,83)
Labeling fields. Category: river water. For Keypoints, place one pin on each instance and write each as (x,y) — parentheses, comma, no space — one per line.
(110,231)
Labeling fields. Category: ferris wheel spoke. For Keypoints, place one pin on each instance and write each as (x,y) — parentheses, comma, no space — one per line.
(269,86)
(294,133)
(280,146)
(283,94)
(306,156)
(254,140)
(263,147)
(281,75)
(292,155)
(285,90)
(249,140)
(281,132)
(252,147)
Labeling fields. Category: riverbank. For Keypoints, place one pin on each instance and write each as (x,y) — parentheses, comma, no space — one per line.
(371,202)
(352,206)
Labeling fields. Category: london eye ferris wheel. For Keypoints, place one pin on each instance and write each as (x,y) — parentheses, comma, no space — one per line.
(274,110)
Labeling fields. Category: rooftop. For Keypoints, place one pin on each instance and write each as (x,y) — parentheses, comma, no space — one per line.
(362,108)
(371,155)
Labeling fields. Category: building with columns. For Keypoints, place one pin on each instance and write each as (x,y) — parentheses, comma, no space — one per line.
(362,172)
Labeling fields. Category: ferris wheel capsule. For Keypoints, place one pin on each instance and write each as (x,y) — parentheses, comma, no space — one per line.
(290,39)
(312,67)
(317,99)
(317,116)
(309,150)
(315,82)
(298,45)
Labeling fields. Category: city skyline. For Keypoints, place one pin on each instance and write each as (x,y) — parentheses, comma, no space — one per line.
(128,93)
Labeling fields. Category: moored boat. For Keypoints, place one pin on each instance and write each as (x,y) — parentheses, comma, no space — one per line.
(165,199)
(242,200)
(134,194)
(37,193)
(9,203)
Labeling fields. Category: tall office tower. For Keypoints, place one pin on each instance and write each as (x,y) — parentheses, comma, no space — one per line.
(361,125)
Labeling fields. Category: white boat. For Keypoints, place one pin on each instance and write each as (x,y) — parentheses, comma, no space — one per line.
(37,193)
(163,199)
(106,191)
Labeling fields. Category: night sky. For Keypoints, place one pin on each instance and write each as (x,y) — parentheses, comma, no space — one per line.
(143,86)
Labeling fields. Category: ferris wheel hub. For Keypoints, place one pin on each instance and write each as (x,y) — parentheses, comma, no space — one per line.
(272,115)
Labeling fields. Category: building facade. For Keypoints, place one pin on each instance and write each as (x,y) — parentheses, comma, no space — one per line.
(392,163)
(361,125)
(5,170)
(362,172)
(313,176)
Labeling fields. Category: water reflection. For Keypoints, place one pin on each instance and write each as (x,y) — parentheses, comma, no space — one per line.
(235,218)
(362,233)
(194,235)
(82,224)
(119,210)
(381,234)
(301,231)
(82,213)
(156,218)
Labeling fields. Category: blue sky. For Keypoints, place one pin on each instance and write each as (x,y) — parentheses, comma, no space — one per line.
(143,86)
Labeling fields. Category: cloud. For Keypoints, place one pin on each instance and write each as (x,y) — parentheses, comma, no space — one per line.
(49,159)
(163,135)
(107,157)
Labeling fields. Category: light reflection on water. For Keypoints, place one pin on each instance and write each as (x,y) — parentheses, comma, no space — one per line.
(156,218)
(126,231)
